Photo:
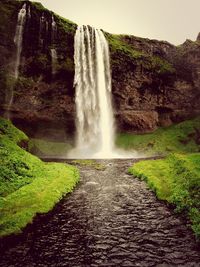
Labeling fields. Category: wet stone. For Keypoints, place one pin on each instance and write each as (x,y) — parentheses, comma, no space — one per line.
(110,220)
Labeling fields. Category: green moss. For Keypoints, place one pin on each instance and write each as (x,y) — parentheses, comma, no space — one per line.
(63,23)
(8,131)
(66,24)
(175,179)
(117,44)
(27,184)
(176,138)
(48,148)
(39,6)
(161,66)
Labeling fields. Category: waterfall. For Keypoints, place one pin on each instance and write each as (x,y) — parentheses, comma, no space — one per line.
(54,60)
(42,30)
(54,55)
(18,39)
(94,115)
(29,12)
(53,29)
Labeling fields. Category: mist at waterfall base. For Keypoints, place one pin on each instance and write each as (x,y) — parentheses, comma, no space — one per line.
(95,137)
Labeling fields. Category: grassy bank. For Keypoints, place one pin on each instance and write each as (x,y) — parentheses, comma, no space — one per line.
(45,148)
(182,137)
(27,184)
(175,179)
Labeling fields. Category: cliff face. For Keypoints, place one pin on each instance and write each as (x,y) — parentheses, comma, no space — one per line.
(39,97)
(154,83)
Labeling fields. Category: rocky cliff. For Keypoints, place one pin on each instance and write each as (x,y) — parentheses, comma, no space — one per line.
(154,83)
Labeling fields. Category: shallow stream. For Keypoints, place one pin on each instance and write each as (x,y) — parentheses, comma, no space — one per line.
(111,219)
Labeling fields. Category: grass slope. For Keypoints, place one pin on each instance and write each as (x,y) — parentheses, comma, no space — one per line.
(27,184)
(46,148)
(181,137)
(175,179)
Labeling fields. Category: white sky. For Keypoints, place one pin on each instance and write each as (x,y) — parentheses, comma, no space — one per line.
(170,20)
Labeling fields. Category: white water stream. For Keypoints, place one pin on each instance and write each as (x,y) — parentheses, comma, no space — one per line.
(54,61)
(94,114)
(54,55)
(18,39)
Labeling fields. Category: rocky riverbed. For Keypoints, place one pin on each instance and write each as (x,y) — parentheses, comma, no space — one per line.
(111,219)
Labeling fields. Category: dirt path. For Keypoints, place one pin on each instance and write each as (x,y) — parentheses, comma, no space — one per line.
(111,219)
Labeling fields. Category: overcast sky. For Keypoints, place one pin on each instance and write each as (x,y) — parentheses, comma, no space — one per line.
(170,20)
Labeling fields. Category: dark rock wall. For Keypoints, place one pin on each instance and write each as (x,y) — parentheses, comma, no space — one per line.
(158,88)
(40,98)
(154,83)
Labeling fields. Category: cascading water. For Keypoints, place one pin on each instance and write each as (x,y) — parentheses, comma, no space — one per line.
(42,30)
(54,56)
(29,12)
(53,29)
(94,115)
(18,39)
(54,61)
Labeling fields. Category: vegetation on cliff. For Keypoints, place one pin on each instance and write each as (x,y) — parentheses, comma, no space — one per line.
(37,45)
(27,185)
(181,137)
(118,45)
(120,48)
(175,179)
(49,149)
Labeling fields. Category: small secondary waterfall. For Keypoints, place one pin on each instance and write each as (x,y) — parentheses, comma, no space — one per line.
(54,61)
(53,29)
(18,39)
(94,115)
(41,33)
(29,12)
(54,56)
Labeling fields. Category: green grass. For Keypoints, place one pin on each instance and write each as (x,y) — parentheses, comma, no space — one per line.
(39,6)
(118,45)
(176,138)
(48,148)
(175,179)
(67,24)
(161,66)
(27,185)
